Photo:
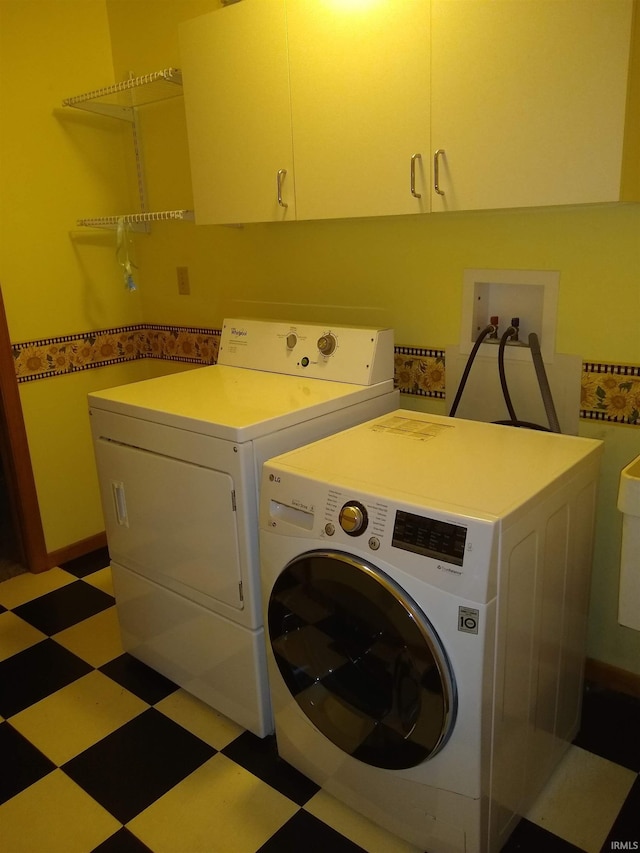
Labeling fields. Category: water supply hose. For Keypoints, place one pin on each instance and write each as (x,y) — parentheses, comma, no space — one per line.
(541,376)
(503,379)
(467,368)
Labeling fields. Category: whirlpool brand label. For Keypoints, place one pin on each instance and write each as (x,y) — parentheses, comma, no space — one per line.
(468,619)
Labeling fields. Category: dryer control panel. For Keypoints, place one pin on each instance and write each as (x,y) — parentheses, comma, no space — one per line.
(353,354)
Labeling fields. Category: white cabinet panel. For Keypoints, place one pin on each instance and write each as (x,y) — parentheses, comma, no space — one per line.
(236,91)
(528,101)
(333,96)
(360,106)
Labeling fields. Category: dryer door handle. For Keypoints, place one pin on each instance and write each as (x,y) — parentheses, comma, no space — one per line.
(120,503)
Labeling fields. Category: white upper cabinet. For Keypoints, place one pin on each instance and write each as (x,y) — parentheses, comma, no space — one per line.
(529,101)
(360,106)
(236,90)
(314,109)
(324,101)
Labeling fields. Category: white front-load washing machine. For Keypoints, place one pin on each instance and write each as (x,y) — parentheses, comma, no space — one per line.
(179,461)
(425,584)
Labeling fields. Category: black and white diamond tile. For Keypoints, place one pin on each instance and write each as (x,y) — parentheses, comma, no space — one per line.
(131,768)
(618,742)
(23,764)
(100,754)
(138,678)
(260,757)
(64,607)
(36,672)
(318,837)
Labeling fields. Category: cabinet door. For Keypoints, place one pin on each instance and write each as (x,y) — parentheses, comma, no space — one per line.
(528,101)
(236,92)
(360,106)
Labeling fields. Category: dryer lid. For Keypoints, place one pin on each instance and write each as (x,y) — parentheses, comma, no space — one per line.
(232,403)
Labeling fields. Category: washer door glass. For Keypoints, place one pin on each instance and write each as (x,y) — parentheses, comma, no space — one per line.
(361,660)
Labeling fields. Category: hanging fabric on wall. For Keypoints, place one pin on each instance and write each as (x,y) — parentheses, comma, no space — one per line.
(122,254)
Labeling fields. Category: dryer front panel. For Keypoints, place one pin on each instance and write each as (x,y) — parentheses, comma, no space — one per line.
(361,659)
(172,521)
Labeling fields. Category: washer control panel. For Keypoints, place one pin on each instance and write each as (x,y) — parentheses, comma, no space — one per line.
(436,538)
(431,542)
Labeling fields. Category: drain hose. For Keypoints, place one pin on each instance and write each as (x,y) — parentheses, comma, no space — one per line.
(545,390)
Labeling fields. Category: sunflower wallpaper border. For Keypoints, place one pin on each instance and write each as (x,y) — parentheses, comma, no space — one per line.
(609,392)
(419,371)
(69,353)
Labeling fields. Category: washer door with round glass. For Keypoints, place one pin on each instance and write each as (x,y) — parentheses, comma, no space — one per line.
(361,659)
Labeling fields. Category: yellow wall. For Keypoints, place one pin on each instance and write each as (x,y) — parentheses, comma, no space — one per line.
(58,164)
(405,271)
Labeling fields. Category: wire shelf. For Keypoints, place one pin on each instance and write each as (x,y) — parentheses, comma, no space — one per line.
(137,219)
(120,99)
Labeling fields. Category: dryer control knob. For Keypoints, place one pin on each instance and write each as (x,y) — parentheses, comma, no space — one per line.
(292,340)
(353,518)
(327,344)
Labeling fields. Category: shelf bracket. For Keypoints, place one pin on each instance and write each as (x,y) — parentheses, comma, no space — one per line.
(122,101)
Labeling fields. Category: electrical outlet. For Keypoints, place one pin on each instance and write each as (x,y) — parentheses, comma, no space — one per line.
(184,288)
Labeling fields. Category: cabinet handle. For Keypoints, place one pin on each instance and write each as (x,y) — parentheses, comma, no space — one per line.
(414,157)
(281,175)
(436,171)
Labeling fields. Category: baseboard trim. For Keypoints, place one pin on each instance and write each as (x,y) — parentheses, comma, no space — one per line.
(612,678)
(77,549)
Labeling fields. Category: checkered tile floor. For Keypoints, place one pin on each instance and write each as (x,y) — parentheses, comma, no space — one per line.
(100,753)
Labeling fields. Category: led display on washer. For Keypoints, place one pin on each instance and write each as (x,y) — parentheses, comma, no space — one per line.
(429,537)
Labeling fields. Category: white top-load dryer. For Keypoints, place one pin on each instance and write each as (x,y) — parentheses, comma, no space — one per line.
(426,585)
(179,461)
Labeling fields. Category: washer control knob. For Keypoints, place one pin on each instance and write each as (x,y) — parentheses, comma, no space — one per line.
(353,518)
(292,340)
(327,344)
